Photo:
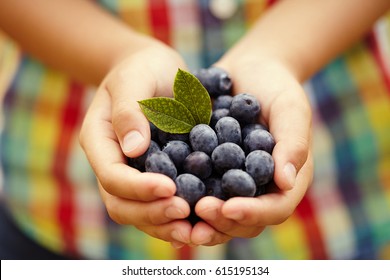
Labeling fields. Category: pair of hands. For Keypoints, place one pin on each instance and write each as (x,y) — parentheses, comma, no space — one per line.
(115,127)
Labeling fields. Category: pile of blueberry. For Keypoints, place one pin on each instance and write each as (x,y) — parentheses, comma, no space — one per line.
(229,157)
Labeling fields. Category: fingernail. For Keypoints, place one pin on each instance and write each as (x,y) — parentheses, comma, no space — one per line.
(173,212)
(162,192)
(177,245)
(210,214)
(178,237)
(132,140)
(237,215)
(291,173)
(205,240)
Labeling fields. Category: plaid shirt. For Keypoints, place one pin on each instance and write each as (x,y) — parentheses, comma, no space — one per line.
(344,215)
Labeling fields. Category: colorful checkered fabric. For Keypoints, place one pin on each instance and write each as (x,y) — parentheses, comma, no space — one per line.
(51,189)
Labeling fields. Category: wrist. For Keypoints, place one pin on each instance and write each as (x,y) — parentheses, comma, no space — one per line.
(237,62)
(129,45)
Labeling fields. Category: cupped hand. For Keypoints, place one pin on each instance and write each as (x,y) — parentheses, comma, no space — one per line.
(115,128)
(286,111)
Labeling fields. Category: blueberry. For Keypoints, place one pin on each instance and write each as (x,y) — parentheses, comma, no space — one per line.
(216,81)
(153,132)
(260,165)
(139,162)
(159,162)
(190,188)
(260,190)
(203,138)
(218,114)
(165,137)
(245,108)
(177,150)
(199,164)
(250,127)
(227,156)
(202,74)
(236,182)
(228,130)
(214,188)
(259,139)
(222,102)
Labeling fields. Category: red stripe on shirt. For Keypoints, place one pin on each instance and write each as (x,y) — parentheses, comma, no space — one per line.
(159,16)
(271,2)
(66,211)
(312,230)
(185,253)
(374,48)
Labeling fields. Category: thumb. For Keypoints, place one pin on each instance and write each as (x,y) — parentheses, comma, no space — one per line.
(289,156)
(129,123)
(131,127)
(292,132)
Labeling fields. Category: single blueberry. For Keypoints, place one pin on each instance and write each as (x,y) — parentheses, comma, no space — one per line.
(250,127)
(214,188)
(216,81)
(236,182)
(199,164)
(259,139)
(245,108)
(216,115)
(190,188)
(203,138)
(222,102)
(260,165)
(139,162)
(159,162)
(177,150)
(202,75)
(228,129)
(227,156)
(165,137)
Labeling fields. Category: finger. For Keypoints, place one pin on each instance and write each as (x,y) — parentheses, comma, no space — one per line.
(271,208)
(137,78)
(125,182)
(204,234)
(210,210)
(108,162)
(158,212)
(126,86)
(177,244)
(177,232)
(292,132)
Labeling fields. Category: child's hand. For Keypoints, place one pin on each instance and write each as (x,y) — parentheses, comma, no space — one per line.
(286,110)
(144,200)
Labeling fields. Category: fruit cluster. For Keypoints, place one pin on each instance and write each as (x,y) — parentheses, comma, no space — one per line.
(231,156)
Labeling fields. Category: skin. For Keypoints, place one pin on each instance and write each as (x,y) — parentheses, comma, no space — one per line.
(284,48)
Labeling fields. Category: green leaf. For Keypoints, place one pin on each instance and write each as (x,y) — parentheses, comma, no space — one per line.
(168,114)
(188,90)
